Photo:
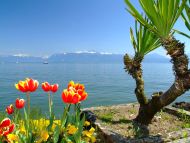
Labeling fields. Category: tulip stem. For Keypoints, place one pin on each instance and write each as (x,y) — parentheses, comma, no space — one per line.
(28,114)
(76,114)
(16,116)
(49,97)
(28,102)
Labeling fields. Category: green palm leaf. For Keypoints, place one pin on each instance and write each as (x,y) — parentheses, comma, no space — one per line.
(186,19)
(143,40)
(162,14)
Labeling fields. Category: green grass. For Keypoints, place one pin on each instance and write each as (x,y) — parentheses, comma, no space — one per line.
(108,117)
(132,111)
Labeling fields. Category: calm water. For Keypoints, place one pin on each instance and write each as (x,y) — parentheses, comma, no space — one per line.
(106,84)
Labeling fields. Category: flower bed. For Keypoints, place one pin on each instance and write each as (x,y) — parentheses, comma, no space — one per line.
(18,126)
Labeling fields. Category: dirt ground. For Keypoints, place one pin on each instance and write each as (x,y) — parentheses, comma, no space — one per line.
(120,120)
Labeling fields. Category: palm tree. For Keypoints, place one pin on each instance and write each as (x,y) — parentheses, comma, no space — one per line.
(144,43)
(162,15)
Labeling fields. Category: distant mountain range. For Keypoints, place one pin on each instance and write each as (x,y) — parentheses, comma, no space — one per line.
(79,57)
(19,59)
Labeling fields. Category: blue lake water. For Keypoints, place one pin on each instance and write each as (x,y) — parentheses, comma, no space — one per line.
(106,84)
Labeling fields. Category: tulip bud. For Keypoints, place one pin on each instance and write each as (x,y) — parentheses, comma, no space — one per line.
(19,103)
(54,87)
(46,86)
(10,109)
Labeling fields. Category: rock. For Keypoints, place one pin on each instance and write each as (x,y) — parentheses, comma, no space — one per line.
(182,105)
(89,115)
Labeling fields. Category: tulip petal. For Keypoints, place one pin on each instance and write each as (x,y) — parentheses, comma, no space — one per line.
(75,99)
(6,132)
(11,128)
(71,83)
(69,97)
(64,97)
(21,87)
(16,86)
(6,122)
(31,85)
(84,95)
(36,85)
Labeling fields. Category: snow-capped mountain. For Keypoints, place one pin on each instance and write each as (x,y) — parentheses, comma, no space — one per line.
(78,57)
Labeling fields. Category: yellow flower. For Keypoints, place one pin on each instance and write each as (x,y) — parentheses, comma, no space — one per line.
(22,130)
(88,133)
(93,139)
(87,139)
(12,138)
(44,135)
(71,129)
(86,123)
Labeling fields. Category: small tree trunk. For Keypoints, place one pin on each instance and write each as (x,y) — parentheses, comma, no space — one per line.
(133,66)
(145,115)
(147,109)
(147,112)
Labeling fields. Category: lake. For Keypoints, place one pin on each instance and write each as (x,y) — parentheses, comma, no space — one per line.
(106,84)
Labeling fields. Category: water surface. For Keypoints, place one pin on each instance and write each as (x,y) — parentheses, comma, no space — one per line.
(106,84)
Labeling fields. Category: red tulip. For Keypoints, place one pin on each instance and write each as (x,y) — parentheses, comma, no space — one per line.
(19,103)
(6,127)
(74,93)
(46,86)
(10,109)
(28,85)
(70,97)
(54,87)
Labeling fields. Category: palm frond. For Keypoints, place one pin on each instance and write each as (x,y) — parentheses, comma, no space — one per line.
(162,14)
(143,41)
(186,18)
(182,33)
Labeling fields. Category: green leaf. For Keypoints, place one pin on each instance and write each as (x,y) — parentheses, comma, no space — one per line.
(186,21)
(51,121)
(25,115)
(133,40)
(188,36)
(56,134)
(162,14)
(78,135)
(63,141)
(143,41)
(186,18)
(65,115)
(22,138)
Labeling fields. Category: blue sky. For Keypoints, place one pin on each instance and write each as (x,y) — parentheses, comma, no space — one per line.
(45,27)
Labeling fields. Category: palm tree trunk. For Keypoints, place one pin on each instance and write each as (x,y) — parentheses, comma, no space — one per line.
(133,66)
(180,67)
(181,84)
